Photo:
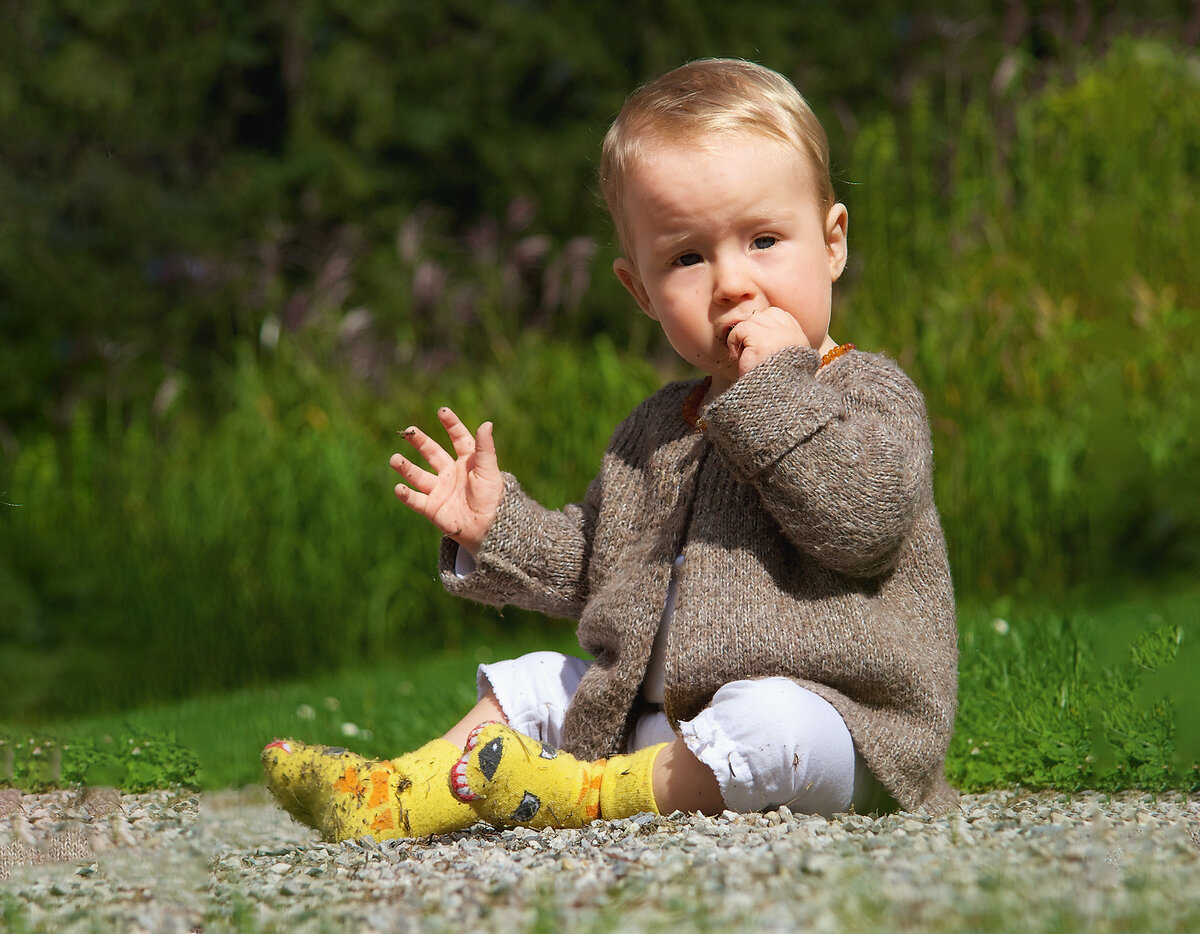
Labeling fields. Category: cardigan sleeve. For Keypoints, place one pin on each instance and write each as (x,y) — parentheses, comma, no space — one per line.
(541,559)
(840,455)
(532,557)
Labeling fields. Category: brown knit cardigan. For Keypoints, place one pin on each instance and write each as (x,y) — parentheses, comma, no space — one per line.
(812,549)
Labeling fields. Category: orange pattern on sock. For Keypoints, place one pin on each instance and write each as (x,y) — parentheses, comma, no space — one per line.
(379,788)
(381,823)
(348,783)
(592,790)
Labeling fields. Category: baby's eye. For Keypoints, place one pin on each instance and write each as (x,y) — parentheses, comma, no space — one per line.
(765,242)
(688,259)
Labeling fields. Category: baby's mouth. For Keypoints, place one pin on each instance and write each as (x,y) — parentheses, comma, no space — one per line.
(728,329)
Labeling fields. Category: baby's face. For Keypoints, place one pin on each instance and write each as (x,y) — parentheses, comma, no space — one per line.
(723,232)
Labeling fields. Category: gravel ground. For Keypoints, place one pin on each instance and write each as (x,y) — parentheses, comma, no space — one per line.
(232,861)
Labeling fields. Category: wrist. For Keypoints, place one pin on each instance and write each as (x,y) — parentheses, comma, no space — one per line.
(468,543)
(472,535)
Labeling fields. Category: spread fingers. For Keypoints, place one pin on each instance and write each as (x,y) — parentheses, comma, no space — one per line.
(416,476)
(436,456)
(460,435)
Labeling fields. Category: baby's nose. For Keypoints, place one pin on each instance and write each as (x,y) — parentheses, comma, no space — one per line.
(732,283)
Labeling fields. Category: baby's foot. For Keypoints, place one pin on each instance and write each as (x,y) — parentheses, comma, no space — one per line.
(345,796)
(510,778)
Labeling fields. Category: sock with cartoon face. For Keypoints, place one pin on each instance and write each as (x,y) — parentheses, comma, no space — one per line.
(345,796)
(511,779)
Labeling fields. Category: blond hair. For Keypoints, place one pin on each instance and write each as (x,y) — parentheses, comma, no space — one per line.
(705,97)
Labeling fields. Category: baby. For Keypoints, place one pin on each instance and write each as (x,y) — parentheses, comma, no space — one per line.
(758,570)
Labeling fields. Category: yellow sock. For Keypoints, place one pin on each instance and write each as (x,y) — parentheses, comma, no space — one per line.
(346,796)
(628,785)
(512,779)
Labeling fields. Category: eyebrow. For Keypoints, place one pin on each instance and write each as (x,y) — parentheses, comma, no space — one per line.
(764,220)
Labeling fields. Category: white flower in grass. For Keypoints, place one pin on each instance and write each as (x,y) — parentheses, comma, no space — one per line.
(1000,625)
(350,729)
(305,712)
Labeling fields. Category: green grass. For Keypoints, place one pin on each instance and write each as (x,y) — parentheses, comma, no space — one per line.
(1097,692)
(379,710)
(1085,696)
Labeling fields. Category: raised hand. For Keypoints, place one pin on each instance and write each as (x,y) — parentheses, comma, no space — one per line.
(462,493)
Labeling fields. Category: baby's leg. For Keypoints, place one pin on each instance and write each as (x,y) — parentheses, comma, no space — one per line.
(346,796)
(684,783)
(515,774)
(771,742)
(681,782)
(486,710)
(758,745)
(532,693)
(511,779)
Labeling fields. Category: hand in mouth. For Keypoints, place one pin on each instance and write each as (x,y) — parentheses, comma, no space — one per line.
(728,329)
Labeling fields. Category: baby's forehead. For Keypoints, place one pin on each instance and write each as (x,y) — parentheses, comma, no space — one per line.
(676,153)
(698,144)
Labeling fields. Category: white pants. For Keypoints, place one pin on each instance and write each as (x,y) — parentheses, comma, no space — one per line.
(769,742)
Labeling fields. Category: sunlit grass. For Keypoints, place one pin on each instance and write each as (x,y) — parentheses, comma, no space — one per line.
(1097,692)
(377,710)
(1058,696)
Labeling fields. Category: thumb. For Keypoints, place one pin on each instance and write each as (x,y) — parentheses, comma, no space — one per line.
(485,449)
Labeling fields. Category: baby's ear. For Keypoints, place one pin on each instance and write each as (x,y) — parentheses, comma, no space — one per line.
(837,222)
(629,277)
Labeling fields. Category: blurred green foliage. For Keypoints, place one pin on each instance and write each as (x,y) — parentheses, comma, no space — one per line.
(241,247)
(173,175)
(150,561)
(1033,278)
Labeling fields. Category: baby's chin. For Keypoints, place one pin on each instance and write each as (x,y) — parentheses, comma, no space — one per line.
(725,368)
(722,378)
